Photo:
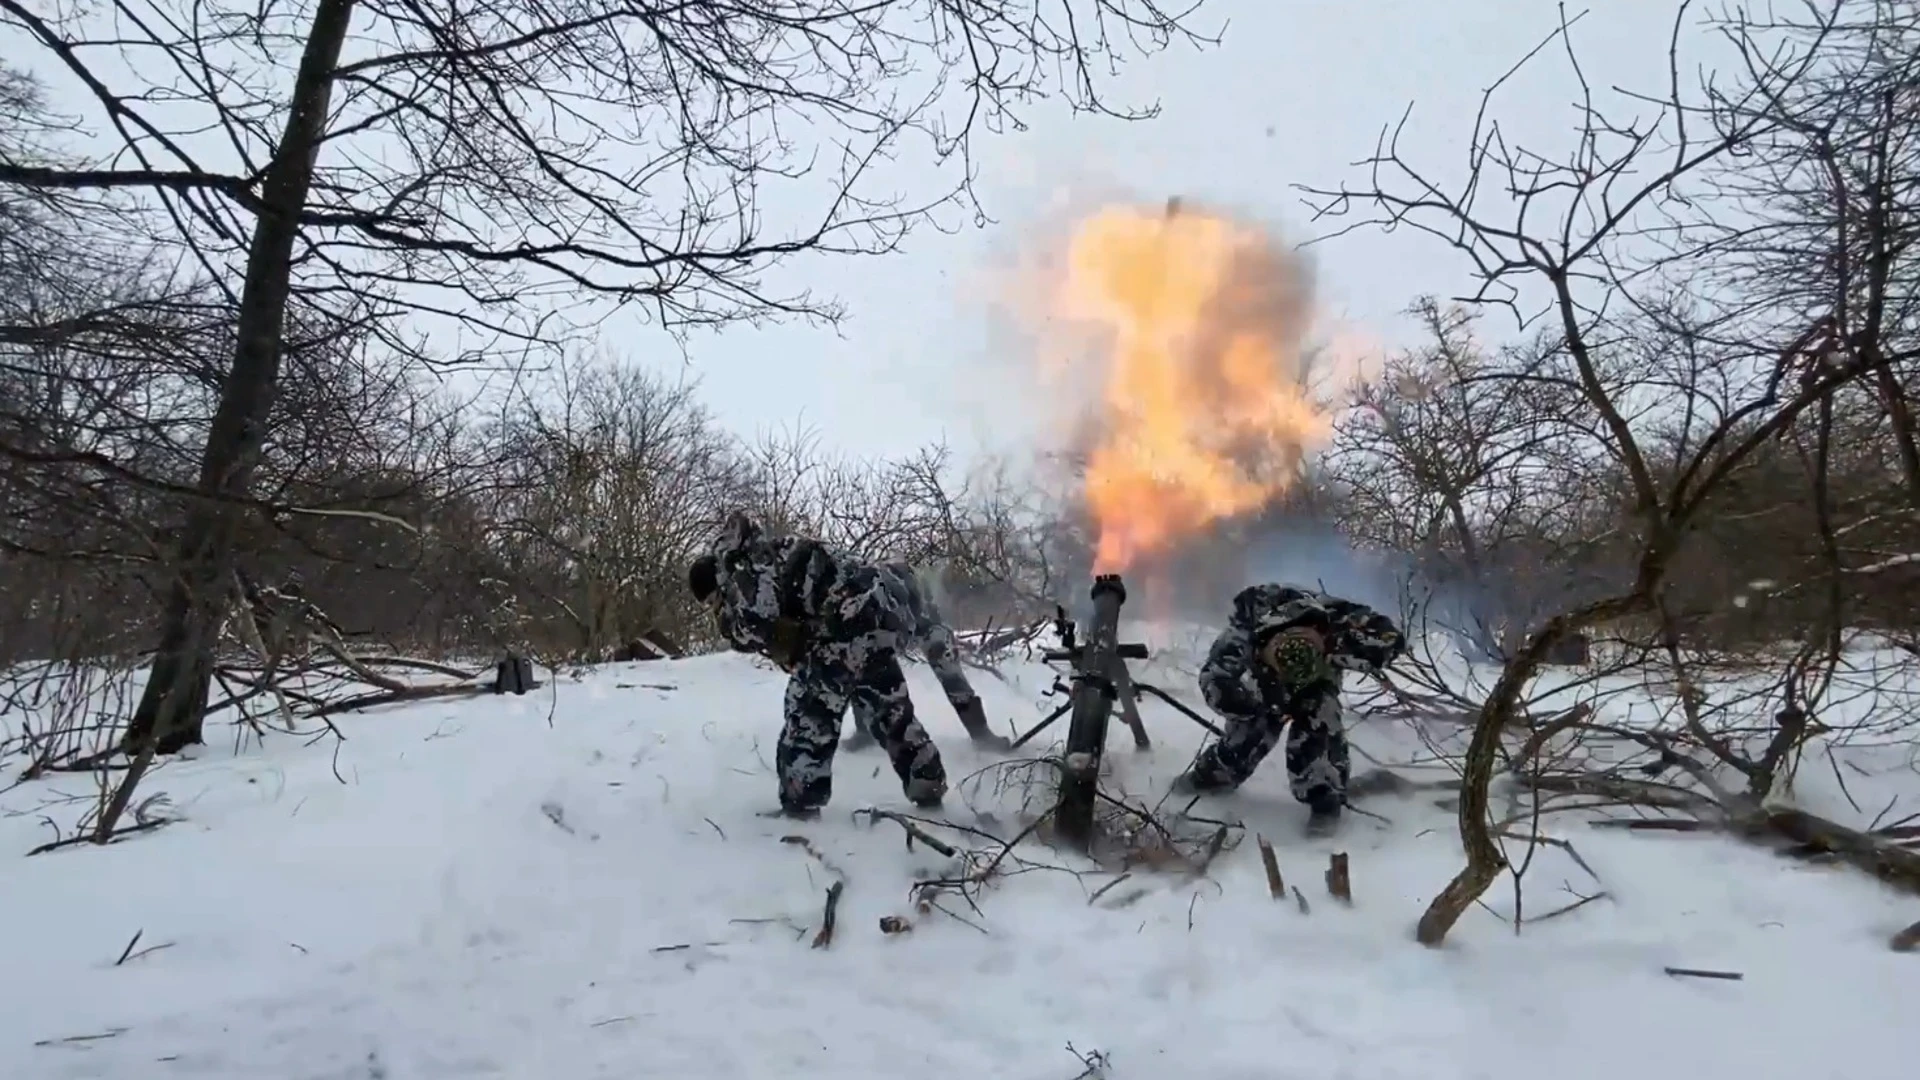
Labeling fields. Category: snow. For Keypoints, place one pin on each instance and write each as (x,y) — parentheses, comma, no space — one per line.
(577,883)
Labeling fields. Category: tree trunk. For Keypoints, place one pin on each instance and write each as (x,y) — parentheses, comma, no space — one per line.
(176,665)
(1893,398)
(173,705)
(1484,860)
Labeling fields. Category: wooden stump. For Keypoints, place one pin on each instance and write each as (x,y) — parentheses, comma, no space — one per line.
(1338,881)
(1275,885)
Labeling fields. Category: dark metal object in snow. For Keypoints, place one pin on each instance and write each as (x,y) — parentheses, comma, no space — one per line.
(513,675)
(1097,668)
(1099,678)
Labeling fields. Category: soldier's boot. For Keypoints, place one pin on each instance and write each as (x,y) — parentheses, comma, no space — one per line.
(973,717)
(1323,816)
(926,794)
(1200,783)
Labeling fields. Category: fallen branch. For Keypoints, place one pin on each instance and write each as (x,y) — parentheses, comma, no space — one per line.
(914,832)
(806,845)
(411,662)
(1620,789)
(128,951)
(1656,824)
(1701,973)
(1094,1063)
(66,1040)
(113,837)
(979,871)
(394,697)
(825,937)
(331,644)
(1893,865)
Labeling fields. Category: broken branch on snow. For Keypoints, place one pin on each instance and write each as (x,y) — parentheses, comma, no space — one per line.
(825,937)
(1702,973)
(1276,886)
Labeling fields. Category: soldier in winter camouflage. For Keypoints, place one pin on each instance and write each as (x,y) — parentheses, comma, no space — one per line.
(838,625)
(936,643)
(1280,662)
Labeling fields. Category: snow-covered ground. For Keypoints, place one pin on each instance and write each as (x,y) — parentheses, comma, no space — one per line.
(576,883)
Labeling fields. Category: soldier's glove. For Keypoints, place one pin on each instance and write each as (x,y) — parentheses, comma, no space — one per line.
(1296,657)
(788,643)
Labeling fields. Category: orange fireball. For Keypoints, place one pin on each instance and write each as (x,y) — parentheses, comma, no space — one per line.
(1203,415)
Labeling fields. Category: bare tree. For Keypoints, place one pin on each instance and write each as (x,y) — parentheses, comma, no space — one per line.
(485,168)
(1460,456)
(616,479)
(1648,361)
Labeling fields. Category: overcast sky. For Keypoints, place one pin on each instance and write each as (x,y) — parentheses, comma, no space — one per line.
(1296,91)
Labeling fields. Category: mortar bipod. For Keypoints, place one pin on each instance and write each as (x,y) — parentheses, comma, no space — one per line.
(1126,690)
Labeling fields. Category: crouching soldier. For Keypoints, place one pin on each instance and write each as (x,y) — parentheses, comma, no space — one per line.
(1278,665)
(935,640)
(837,626)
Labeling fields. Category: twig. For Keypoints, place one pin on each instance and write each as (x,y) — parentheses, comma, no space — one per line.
(1575,906)
(409,662)
(957,917)
(1093,1063)
(1555,842)
(1301,899)
(914,832)
(1656,824)
(113,837)
(1699,973)
(107,1034)
(806,845)
(151,949)
(128,951)
(825,937)
(1215,845)
(1107,888)
(1011,844)
(1364,812)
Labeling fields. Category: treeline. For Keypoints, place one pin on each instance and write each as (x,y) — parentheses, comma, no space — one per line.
(559,517)
(1705,432)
